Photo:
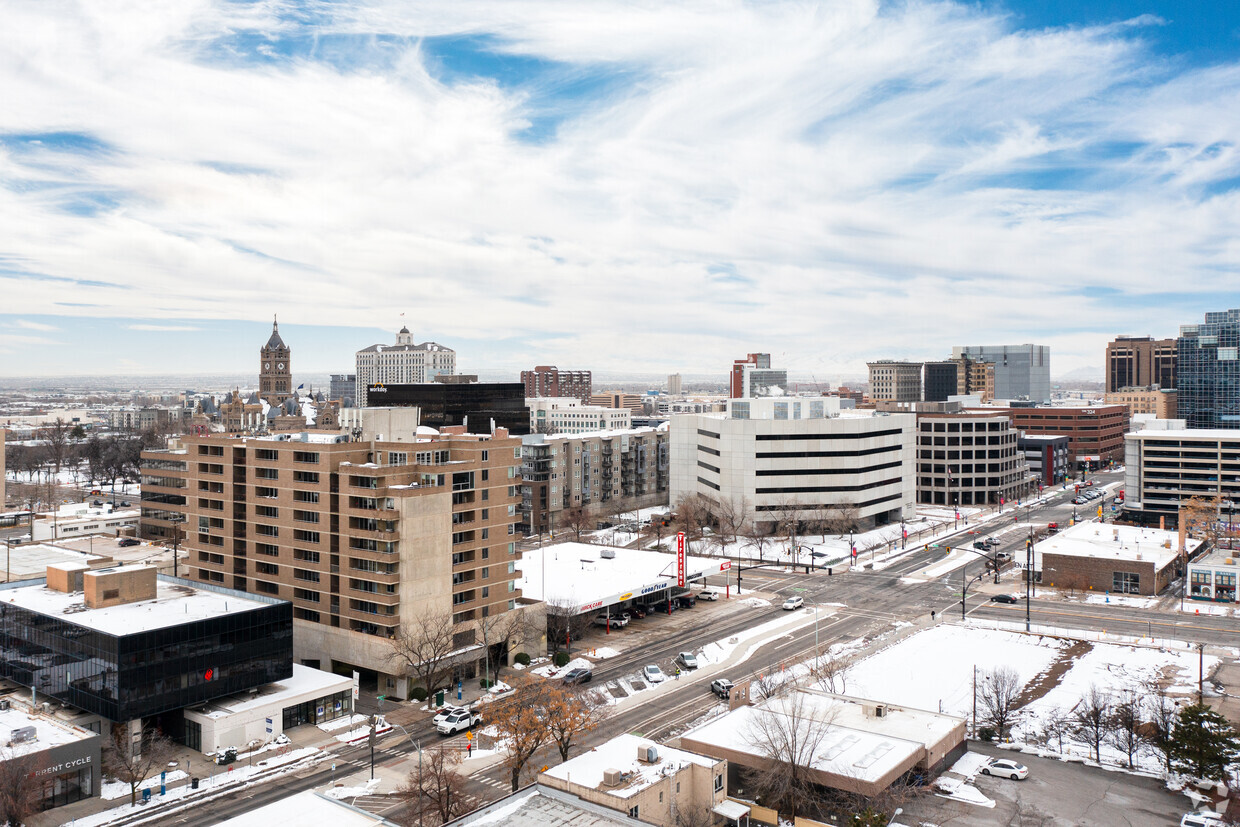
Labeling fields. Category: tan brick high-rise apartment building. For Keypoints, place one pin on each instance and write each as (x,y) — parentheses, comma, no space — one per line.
(360,536)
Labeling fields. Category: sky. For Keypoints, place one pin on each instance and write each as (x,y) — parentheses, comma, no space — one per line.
(618,186)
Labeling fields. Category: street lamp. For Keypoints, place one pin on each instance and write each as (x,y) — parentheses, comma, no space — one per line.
(418,746)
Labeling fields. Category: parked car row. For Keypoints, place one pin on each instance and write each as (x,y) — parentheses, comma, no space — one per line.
(622,618)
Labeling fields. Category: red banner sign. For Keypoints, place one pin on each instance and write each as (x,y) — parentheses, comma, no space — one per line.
(680,559)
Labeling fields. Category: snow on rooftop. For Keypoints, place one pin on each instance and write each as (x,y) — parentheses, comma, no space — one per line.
(620,753)
(307,807)
(173,605)
(1115,542)
(854,745)
(48,733)
(578,575)
(305,684)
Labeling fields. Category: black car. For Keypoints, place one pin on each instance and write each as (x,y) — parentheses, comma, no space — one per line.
(982,544)
(576,676)
(1003,598)
(128,541)
(663,607)
(686,601)
(228,756)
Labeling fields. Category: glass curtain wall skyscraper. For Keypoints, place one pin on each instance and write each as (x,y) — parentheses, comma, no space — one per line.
(1208,380)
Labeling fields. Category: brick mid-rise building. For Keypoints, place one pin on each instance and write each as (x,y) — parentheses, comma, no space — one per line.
(548,380)
(361,536)
(1095,434)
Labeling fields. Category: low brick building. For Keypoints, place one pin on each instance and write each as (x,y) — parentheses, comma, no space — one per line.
(1111,558)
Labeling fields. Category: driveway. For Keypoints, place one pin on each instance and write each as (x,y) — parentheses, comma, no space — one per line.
(1056,794)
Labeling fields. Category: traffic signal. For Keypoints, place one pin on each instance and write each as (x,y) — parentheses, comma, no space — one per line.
(1078,489)
(949,550)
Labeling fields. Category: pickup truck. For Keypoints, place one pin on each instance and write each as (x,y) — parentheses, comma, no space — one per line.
(459,721)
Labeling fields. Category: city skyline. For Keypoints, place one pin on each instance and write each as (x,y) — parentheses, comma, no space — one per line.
(828,183)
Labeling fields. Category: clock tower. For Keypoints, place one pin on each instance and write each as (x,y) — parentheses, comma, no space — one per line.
(275,382)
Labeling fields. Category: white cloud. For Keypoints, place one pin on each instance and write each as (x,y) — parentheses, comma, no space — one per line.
(160,328)
(26,324)
(889,180)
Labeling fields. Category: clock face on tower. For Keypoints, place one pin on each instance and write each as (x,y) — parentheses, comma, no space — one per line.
(280,366)
(266,366)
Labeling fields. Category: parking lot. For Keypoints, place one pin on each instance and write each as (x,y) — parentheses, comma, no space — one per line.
(1056,793)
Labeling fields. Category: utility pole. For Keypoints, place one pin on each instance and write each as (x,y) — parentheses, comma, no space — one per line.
(975,700)
(1028,574)
(1201,673)
(374,719)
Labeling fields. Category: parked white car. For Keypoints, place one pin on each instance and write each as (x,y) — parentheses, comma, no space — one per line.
(653,674)
(1006,768)
(793,603)
(708,595)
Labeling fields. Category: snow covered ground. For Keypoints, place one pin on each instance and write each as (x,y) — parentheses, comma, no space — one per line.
(934,670)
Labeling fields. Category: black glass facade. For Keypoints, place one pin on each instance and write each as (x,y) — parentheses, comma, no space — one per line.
(145,672)
(1208,378)
(479,403)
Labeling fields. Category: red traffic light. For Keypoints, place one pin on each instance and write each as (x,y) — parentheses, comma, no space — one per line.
(208,675)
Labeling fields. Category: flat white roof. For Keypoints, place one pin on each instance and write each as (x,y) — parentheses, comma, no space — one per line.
(307,807)
(48,733)
(577,574)
(30,560)
(854,746)
(1116,542)
(620,753)
(306,684)
(173,605)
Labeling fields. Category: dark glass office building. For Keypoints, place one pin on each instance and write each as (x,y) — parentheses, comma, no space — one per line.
(940,380)
(475,405)
(140,660)
(1208,371)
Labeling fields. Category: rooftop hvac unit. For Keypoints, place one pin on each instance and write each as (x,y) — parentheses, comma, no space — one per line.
(22,735)
(880,711)
(648,753)
(608,554)
(5,704)
(611,778)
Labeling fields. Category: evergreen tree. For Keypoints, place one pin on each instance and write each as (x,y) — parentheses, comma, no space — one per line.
(1203,743)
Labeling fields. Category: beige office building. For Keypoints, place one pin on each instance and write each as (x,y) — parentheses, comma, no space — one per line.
(360,536)
(892,381)
(1157,401)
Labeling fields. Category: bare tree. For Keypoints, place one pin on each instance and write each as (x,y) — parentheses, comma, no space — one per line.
(1125,726)
(499,629)
(694,512)
(564,623)
(1158,732)
(55,435)
(572,712)
(576,520)
(434,792)
(732,516)
(1056,724)
(20,791)
(132,763)
(843,518)
(998,693)
(789,733)
(1092,717)
(423,647)
(831,673)
(1074,583)
(522,723)
(788,516)
(759,538)
(694,815)
(1201,518)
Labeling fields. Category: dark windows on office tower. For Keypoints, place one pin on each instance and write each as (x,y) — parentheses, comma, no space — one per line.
(1208,381)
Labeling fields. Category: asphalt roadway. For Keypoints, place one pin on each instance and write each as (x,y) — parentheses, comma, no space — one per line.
(884,597)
